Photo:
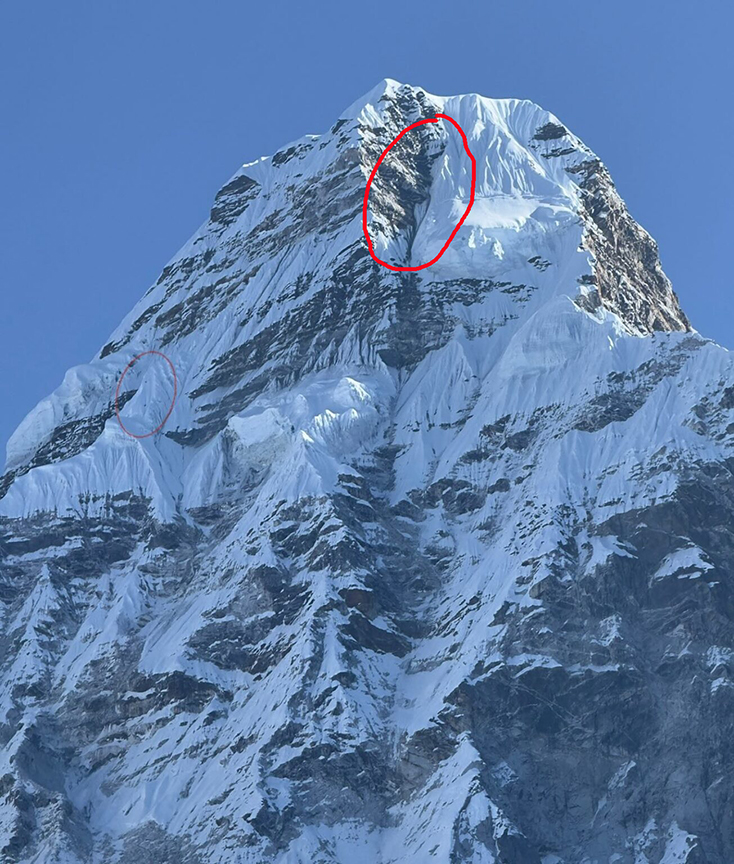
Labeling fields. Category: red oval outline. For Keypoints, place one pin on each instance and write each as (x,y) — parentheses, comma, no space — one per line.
(117,395)
(372,177)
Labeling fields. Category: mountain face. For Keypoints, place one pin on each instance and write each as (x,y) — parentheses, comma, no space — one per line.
(423,567)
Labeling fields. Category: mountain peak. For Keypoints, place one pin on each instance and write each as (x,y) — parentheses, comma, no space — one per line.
(438,548)
(299,212)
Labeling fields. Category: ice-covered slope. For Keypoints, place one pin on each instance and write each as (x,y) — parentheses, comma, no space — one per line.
(426,566)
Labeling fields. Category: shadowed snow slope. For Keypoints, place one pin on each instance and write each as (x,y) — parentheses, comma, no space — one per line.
(429,566)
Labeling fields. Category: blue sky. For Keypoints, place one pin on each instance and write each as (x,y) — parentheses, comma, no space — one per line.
(121,120)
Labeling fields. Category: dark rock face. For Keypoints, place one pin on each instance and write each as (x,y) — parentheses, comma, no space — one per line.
(635,723)
(629,278)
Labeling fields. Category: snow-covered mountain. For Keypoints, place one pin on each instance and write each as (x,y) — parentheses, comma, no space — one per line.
(423,567)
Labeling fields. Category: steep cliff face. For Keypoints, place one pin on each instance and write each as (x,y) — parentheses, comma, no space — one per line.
(427,566)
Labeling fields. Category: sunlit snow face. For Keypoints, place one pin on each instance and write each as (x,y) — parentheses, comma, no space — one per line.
(146,395)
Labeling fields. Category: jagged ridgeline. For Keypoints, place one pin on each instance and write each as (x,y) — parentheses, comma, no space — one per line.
(423,567)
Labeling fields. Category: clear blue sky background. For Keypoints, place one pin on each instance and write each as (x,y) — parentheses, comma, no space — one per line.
(119,121)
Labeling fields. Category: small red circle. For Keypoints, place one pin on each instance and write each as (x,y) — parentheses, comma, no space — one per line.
(117,395)
(372,177)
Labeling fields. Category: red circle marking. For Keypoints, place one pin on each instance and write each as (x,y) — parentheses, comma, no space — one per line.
(117,395)
(372,177)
